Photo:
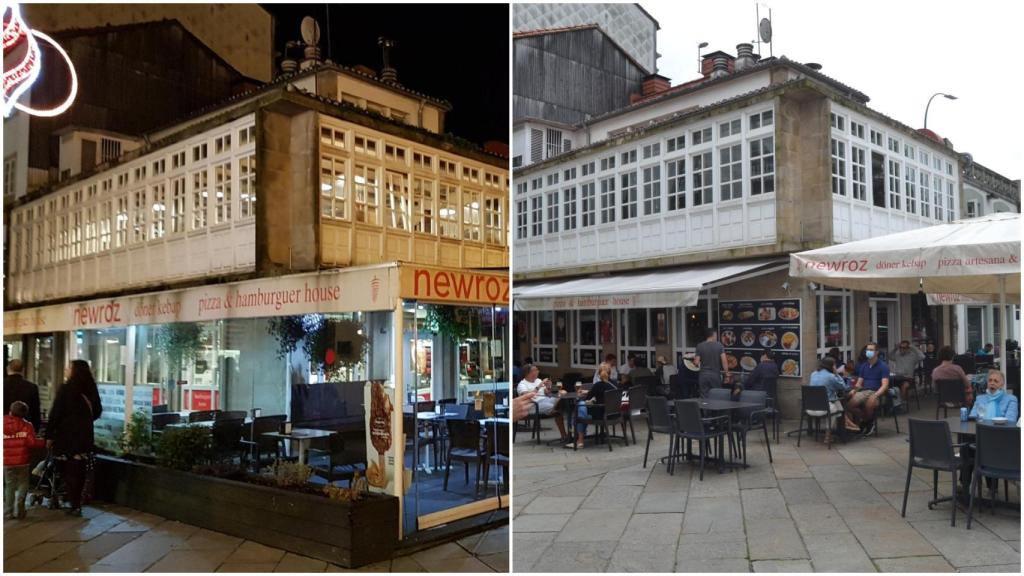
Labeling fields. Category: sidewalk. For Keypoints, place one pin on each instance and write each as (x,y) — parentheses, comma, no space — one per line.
(814,509)
(110,538)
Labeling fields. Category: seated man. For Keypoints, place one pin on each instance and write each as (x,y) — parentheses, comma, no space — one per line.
(996,402)
(903,361)
(546,404)
(593,401)
(872,382)
(762,373)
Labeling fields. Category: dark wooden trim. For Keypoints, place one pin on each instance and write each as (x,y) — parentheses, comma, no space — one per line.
(343,533)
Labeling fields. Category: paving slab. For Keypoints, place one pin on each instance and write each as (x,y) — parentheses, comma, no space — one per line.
(774,539)
(818,519)
(764,503)
(784,566)
(1011,568)
(652,531)
(802,491)
(713,516)
(554,505)
(251,567)
(575,557)
(612,498)
(729,565)
(838,552)
(914,564)
(703,549)
(594,526)
(541,522)
(253,553)
(834,473)
(190,561)
(651,560)
(497,562)
(528,548)
(975,547)
(662,502)
(37,556)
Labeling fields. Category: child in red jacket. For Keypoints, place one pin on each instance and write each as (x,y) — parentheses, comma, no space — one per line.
(19,440)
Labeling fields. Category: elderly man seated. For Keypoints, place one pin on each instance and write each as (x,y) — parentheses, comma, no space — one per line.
(996,402)
(546,402)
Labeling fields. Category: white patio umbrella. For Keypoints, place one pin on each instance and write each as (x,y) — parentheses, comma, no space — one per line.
(977,257)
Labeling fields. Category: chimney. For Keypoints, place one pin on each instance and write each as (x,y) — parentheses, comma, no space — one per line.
(655,84)
(310,57)
(708,63)
(387,73)
(814,66)
(635,97)
(744,56)
(721,67)
(289,65)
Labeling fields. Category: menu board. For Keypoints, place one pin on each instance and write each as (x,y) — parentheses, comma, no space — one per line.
(747,327)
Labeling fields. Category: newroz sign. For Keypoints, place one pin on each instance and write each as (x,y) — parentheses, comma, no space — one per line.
(454,286)
(352,290)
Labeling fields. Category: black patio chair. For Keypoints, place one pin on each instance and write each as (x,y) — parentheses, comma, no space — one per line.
(748,419)
(925,374)
(226,439)
(691,426)
(997,456)
(719,394)
(256,444)
(421,433)
(659,421)
(950,394)
(161,420)
(888,405)
(966,361)
(336,462)
(771,387)
(202,416)
(498,452)
(605,417)
(637,403)
(160,408)
(569,379)
(230,415)
(447,401)
(815,399)
(931,447)
(676,387)
(464,446)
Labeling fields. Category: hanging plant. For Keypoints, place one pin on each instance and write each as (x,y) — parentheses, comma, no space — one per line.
(451,322)
(288,331)
(317,335)
(180,343)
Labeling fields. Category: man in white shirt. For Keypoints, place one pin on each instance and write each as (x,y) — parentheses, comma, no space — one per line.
(626,368)
(546,403)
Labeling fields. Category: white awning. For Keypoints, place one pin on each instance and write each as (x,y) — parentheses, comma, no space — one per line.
(669,288)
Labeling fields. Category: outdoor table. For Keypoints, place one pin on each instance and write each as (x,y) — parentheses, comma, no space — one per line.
(301,436)
(486,421)
(712,405)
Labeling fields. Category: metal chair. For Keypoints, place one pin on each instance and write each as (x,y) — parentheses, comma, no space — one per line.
(256,443)
(161,420)
(659,421)
(931,447)
(226,438)
(610,413)
(464,446)
(230,415)
(950,394)
(202,416)
(637,396)
(339,463)
(966,361)
(160,408)
(748,419)
(771,387)
(691,426)
(997,456)
(497,452)
(925,374)
(814,399)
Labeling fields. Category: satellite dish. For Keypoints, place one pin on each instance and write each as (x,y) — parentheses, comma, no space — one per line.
(310,31)
(765,30)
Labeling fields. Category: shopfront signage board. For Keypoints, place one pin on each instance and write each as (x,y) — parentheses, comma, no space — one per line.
(747,327)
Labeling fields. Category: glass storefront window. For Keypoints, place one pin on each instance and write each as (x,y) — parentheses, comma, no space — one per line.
(835,322)
(544,349)
(106,352)
(635,336)
(586,347)
(975,328)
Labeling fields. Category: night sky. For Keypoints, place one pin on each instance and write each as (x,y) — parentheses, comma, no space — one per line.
(455,52)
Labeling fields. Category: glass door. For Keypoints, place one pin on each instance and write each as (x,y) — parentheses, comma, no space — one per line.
(885,324)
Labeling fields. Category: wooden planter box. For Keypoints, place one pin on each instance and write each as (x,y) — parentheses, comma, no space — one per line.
(350,534)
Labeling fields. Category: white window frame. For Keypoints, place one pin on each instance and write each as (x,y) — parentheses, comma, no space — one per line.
(628,194)
(702,175)
(675,170)
(838,156)
(730,172)
(652,189)
(578,348)
(757,163)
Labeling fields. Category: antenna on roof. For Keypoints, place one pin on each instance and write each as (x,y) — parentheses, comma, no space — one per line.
(310,30)
(764,28)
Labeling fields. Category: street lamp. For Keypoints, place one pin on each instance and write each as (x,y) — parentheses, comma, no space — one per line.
(700,70)
(947,96)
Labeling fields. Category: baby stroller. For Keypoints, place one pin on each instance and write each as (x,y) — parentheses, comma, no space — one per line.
(48,485)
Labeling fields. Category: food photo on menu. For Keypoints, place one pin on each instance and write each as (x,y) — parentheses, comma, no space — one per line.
(748,327)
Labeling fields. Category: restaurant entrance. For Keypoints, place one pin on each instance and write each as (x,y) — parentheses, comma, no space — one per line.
(885,322)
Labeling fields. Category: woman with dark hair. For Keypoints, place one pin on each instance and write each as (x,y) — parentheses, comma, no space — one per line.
(69,433)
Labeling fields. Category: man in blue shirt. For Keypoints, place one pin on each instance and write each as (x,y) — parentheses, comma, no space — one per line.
(872,382)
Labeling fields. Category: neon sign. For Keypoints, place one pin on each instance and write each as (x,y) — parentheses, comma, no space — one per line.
(21,47)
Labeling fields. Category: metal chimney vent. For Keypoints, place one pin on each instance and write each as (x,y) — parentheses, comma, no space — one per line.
(387,73)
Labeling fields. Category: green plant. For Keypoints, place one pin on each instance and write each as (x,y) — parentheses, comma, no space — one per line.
(285,474)
(220,470)
(183,448)
(452,322)
(136,438)
(315,335)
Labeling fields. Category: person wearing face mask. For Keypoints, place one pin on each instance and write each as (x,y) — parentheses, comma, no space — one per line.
(996,402)
(872,382)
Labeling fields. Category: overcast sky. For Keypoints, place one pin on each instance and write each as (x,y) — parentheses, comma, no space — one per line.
(897,52)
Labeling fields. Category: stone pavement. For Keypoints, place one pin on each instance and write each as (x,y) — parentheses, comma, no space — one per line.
(111,538)
(812,510)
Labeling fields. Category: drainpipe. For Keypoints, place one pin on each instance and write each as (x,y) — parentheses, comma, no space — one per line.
(419,112)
